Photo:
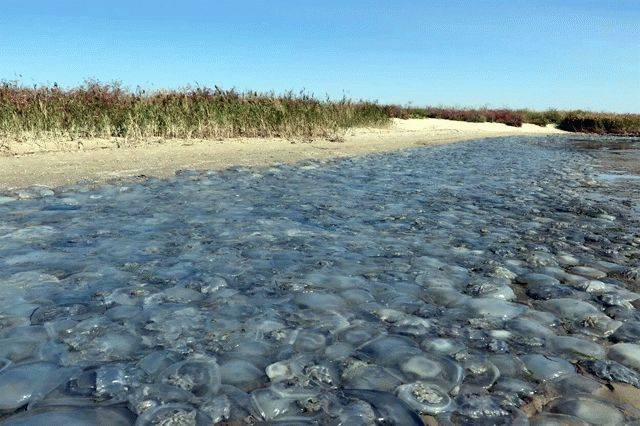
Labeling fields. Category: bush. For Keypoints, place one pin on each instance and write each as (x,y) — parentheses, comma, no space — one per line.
(601,123)
(573,121)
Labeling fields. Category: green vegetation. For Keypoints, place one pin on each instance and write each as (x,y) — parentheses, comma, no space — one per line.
(508,117)
(601,123)
(109,110)
(106,110)
(586,121)
(572,121)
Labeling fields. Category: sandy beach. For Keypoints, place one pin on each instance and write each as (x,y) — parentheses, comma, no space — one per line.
(61,162)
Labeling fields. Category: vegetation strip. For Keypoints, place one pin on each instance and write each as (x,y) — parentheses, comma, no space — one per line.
(572,121)
(109,110)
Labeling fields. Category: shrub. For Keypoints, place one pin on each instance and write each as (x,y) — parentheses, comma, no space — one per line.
(601,123)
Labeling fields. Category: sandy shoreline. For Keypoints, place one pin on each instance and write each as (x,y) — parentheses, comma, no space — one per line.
(56,163)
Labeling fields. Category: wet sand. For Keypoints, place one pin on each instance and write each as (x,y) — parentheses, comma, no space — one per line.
(60,162)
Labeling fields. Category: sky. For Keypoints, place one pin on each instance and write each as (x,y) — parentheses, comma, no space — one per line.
(510,53)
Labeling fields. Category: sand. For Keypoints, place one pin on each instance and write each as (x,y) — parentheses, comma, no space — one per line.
(61,162)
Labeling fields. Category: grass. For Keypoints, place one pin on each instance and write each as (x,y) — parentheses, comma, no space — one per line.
(601,123)
(508,117)
(109,110)
(587,121)
(572,121)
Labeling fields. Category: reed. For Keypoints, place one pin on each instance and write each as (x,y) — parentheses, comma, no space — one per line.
(601,123)
(505,116)
(572,121)
(109,110)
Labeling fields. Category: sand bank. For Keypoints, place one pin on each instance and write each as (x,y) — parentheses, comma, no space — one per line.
(60,162)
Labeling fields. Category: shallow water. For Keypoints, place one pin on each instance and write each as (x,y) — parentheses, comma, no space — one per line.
(463,282)
(617,176)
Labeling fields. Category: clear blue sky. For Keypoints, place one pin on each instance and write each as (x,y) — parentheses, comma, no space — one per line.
(563,53)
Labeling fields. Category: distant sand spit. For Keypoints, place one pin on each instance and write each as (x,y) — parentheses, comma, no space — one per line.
(61,162)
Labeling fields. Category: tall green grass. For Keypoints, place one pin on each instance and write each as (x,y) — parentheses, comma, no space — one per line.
(586,121)
(572,121)
(601,123)
(505,116)
(108,110)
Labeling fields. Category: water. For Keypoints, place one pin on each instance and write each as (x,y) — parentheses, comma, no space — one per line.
(615,175)
(461,282)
